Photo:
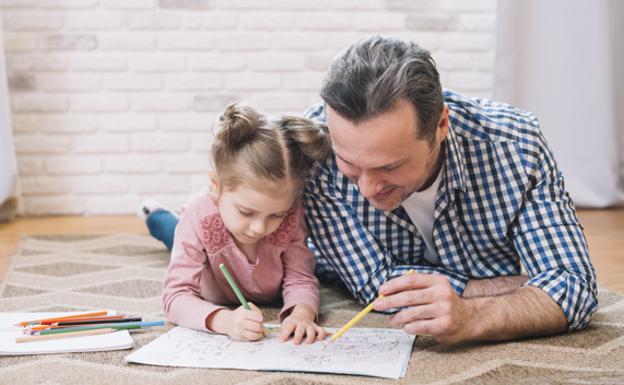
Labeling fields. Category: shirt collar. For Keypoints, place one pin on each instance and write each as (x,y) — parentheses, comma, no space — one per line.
(454,162)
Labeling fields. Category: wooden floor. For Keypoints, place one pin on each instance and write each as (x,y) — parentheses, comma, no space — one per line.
(604,230)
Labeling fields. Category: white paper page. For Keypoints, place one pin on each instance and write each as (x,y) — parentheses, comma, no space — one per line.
(8,332)
(360,351)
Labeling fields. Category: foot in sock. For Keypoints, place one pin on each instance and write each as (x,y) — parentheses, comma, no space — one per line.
(149,206)
(160,221)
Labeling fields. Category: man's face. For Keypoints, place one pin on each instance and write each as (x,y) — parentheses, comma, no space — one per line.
(385,156)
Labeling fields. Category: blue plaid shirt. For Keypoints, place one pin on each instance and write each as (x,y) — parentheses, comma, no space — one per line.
(501,204)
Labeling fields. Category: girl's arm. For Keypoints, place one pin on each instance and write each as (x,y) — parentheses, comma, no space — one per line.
(183,303)
(300,285)
(181,293)
(300,290)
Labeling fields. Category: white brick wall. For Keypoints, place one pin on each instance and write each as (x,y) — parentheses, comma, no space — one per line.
(112,100)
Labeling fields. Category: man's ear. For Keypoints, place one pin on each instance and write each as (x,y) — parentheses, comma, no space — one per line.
(443,125)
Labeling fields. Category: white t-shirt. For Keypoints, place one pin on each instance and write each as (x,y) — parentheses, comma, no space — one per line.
(420,207)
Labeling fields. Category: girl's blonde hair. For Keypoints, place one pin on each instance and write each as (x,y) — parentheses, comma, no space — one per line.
(267,149)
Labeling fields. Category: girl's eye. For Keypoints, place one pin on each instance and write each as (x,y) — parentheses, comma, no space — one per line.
(280,215)
(245,213)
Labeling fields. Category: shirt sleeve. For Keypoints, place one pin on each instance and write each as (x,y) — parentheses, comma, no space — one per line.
(346,248)
(551,245)
(300,285)
(181,293)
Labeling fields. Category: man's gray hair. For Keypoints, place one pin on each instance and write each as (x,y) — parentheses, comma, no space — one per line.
(373,74)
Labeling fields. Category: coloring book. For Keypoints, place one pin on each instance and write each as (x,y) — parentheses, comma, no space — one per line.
(360,351)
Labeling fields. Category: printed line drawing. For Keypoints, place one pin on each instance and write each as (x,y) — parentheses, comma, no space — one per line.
(363,351)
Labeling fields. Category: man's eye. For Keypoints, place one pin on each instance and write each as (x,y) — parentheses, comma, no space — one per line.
(390,168)
(347,166)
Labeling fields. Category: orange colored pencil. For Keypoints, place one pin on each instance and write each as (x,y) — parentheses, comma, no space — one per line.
(39,321)
(41,327)
(37,328)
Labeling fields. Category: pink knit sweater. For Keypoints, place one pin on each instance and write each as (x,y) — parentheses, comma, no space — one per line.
(195,287)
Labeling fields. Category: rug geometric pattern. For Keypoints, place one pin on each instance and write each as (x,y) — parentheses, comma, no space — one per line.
(125,272)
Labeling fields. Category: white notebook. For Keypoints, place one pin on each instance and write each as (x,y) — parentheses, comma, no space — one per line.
(8,332)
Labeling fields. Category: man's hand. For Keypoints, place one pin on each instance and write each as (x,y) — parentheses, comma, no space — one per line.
(301,323)
(431,307)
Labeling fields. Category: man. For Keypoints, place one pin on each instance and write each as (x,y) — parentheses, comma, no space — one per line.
(463,191)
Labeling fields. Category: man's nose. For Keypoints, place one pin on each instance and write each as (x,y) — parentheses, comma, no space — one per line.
(368,184)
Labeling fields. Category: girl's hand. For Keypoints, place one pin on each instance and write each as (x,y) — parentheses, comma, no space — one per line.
(301,323)
(245,325)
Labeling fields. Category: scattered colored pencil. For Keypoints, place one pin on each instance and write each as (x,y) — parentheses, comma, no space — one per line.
(78,319)
(120,326)
(232,283)
(38,321)
(37,328)
(60,325)
(66,335)
(97,321)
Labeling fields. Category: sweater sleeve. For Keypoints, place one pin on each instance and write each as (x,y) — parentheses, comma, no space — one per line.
(300,285)
(181,293)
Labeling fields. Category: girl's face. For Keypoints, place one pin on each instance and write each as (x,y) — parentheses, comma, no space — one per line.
(250,214)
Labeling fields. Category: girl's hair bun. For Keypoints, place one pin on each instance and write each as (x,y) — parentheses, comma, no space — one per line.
(238,125)
(312,138)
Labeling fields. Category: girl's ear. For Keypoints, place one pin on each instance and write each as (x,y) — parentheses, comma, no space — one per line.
(214,182)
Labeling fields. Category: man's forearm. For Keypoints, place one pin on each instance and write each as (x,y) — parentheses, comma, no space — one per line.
(525,312)
(489,287)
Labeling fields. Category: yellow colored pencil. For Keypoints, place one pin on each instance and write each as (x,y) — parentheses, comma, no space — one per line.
(358,317)
(354,320)
(81,333)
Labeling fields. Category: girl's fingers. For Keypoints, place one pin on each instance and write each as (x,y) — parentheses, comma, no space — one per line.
(256,313)
(253,326)
(310,334)
(299,332)
(321,333)
(287,330)
(252,336)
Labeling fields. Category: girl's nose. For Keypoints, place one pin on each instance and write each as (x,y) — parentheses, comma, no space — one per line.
(258,227)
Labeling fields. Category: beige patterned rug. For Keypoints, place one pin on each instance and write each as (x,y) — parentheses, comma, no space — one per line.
(124,272)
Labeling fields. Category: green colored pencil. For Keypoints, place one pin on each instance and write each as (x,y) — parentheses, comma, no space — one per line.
(118,326)
(234,286)
(72,330)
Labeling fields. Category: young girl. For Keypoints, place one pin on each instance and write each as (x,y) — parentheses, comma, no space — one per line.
(252,221)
